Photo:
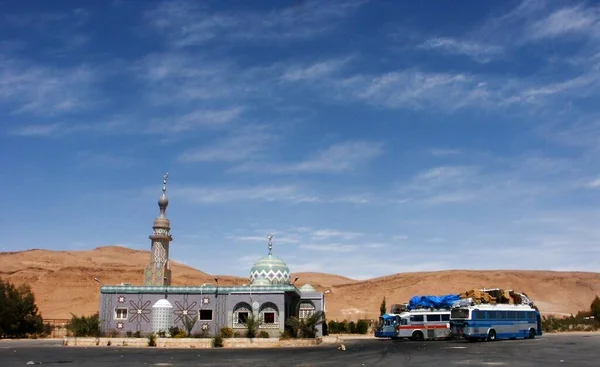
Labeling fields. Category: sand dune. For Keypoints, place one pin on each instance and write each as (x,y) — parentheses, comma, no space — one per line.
(63,282)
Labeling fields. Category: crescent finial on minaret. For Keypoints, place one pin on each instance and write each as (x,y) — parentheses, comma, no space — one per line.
(270,238)
(165,176)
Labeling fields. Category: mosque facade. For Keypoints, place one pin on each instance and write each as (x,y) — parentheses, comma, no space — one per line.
(156,305)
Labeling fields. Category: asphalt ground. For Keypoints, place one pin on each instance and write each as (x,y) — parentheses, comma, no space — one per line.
(548,350)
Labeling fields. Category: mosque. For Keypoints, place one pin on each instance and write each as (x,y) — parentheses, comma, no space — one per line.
(156,306)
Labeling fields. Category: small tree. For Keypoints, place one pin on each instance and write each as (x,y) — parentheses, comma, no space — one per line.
(84,326)
(306,328)
(19,315)
(252,324)
(595,308)
(362,327)
(189,323)
(383,307)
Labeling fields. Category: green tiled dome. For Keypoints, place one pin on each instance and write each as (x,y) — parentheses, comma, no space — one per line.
(260,281)
(307,288)
(271,268)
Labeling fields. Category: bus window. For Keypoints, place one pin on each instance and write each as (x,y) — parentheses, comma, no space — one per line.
(445,317)
(417,318)
(511,315)
(478,315)
(459,313)
(433,318)
(404,322)
(501,315)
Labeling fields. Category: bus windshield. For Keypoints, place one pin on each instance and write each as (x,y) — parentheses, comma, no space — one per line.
(459,313)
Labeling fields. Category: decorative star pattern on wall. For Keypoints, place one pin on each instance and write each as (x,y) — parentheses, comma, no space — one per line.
(121,299)
(205,300)
(184,309)
(120,325)
(139,311)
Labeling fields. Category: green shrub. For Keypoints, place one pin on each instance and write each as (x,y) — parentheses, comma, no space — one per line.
(129,333)
(252,324)
(137,334)
(47,330)
(84,326)
(227,332)
(362,327)
(263,334)
(217,341)
(285,335)
(19,315)
(152,340)
(202,334)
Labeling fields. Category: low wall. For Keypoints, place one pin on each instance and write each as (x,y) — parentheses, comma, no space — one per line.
(196,342)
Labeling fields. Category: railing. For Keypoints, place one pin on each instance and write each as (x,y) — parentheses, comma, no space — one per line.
(59,327)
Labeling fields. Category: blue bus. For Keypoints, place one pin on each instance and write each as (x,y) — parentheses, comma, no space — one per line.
(493,322)
(387,326)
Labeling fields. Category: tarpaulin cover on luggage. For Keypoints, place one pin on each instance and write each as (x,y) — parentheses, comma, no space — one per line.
(432,301)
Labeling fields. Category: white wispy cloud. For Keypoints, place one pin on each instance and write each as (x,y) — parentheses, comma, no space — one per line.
(187,23)
(235,194)
(415,90)
(477,51)
(37,130)
(330,247)
(92,159)
(323,234)
(262,239)
(200,118)
(314,71)
(523,178)
(577,19)
(445,152)
(40,89)
(339,157)
(282,193)
(595,183)
(241,144)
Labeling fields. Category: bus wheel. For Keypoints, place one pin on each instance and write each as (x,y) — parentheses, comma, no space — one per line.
(418,336)
(491,335)
(531,333)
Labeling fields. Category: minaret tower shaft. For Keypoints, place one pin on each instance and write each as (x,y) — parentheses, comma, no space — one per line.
(158,272)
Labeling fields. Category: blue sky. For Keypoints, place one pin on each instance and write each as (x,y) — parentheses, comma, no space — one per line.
(371,137)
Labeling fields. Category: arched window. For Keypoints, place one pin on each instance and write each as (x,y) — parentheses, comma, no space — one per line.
(269,316)
(241,312)
(307,309)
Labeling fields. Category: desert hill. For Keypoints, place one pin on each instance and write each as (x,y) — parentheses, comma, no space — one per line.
(63,282)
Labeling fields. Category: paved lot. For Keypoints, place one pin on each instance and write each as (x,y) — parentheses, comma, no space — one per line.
(548,350)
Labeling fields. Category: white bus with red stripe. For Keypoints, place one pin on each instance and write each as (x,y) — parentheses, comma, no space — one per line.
(424,325)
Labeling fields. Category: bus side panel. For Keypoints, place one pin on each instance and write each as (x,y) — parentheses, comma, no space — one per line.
(503,329)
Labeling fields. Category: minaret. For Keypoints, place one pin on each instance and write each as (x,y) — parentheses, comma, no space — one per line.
(158,272)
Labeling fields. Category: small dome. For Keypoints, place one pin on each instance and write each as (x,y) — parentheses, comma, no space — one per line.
(162,303)
(273,269)
(307,288)
(261,282)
